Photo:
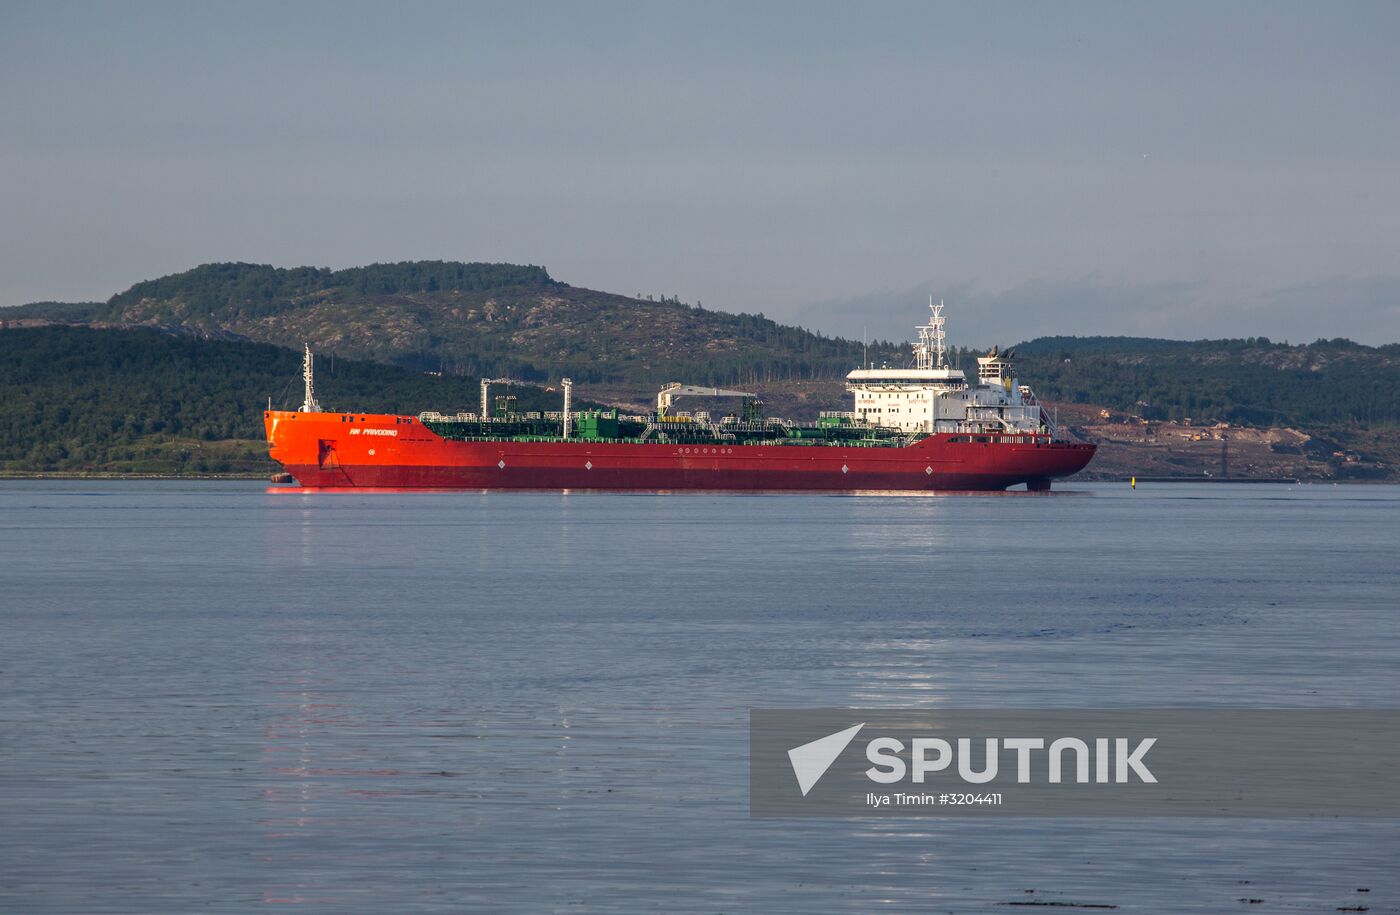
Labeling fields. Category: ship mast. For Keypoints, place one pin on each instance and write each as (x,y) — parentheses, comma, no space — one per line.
(937,322)
(568,385)
(309,405)
(929,351)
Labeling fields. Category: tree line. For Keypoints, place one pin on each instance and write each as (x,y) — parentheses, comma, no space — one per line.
(76,398)
(252,290)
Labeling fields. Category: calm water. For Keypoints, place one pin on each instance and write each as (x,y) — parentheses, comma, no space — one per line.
(221,698)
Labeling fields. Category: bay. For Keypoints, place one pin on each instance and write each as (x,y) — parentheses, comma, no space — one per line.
(221,696)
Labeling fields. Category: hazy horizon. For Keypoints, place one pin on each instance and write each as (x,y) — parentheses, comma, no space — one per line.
(1181,171)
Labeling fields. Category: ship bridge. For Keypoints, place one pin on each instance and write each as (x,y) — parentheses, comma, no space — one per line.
(932,397)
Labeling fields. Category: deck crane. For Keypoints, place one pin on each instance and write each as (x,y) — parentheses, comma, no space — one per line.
(487,382)
(676,389)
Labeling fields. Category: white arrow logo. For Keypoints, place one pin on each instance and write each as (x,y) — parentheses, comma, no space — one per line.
(811,760)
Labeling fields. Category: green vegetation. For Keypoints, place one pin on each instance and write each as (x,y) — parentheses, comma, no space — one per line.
(256,290)
(1250,382)
(140,401)
(488,319)
(54,311)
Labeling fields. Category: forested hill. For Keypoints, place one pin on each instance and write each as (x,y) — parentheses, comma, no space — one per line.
(238,291)
(141,401)
(74,312)
(504,320)
(479,319)
(1250,381)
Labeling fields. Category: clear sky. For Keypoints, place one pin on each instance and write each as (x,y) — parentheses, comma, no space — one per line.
(1168,169)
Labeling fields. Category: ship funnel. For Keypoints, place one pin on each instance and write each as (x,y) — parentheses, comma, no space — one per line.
(997,368)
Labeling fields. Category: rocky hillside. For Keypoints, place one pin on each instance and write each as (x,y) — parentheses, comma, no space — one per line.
(480,319)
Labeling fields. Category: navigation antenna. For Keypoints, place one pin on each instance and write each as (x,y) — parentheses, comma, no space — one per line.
(937,322)
(308,375)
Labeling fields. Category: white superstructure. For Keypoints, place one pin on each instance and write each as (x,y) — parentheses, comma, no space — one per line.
(931,397)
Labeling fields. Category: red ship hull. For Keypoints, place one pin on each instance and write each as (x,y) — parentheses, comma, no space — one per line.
(335,450)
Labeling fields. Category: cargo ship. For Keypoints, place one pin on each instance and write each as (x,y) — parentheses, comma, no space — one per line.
(924,427)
